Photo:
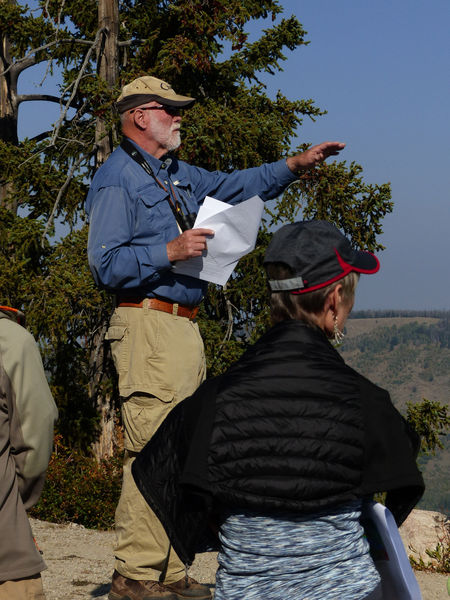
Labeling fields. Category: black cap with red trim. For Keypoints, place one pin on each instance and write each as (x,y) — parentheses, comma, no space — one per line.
(318,253)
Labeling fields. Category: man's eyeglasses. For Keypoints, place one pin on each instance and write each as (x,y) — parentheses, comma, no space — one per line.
(173,111)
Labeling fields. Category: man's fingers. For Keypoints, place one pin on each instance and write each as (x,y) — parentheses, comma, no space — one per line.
(200,231)
(196,240)
(329,148)
(334,145)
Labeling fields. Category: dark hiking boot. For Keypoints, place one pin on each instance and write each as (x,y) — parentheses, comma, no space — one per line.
(188,588)
(123,588)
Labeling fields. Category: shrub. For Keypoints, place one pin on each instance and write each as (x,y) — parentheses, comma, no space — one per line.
(440,556)
(79,489)
(431,420)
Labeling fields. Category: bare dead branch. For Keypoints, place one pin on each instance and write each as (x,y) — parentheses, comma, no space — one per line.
(75,84)
(47,70)
(129,42)
(61,191)
(229,330)
(40,136)
(29,58)
(36,97)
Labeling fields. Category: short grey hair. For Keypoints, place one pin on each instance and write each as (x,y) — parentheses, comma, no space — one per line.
(285,305)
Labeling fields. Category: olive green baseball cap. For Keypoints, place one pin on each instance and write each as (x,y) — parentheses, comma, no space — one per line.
(147,89)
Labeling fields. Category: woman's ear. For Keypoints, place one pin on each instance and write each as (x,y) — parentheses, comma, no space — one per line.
(334,299)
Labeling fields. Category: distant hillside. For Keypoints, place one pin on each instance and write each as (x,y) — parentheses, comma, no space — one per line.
(409,355)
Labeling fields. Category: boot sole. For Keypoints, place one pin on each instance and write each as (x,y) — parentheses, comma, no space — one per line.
(181,597)
(114,596)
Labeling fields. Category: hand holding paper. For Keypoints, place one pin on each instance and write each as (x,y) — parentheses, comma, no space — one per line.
(235,230)
(189,244)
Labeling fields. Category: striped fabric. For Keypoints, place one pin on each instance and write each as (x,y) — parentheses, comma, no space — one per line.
(290,557)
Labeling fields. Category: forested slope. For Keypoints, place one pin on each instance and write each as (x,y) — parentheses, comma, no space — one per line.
(409,355)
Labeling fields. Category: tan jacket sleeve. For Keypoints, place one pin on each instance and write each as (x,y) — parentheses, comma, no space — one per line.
(32,410)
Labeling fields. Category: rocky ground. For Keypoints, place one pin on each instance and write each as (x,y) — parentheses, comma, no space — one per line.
(80,561)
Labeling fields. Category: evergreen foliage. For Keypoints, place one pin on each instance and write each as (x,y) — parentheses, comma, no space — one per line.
(431,420)
(202,47)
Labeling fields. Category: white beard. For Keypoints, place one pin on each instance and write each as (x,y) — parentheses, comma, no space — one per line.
(168,137)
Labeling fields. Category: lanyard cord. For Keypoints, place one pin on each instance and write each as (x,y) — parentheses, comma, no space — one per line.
(172,197)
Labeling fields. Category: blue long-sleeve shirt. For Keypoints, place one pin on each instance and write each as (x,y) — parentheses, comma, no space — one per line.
(131,221)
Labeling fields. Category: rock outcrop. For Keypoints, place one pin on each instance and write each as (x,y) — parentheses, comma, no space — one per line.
(423,530)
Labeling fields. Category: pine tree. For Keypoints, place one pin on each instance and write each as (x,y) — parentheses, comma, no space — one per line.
(202,48)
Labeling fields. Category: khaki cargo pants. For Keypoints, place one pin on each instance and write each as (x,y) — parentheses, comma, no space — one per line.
(160,360)
(29,588)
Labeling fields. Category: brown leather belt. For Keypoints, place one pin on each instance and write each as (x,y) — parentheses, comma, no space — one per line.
(169,307)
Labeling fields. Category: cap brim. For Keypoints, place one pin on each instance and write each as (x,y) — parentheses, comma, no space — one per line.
(135,100)
(365,262)
(361,262)
(180,101)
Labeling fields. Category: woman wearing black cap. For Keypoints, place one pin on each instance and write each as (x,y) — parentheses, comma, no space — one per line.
(288,442)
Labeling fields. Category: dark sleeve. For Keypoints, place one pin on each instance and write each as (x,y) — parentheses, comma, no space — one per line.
(391,448)
(181,503)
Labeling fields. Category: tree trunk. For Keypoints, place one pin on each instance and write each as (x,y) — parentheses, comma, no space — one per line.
(108,439)
(107,68)
(8,108)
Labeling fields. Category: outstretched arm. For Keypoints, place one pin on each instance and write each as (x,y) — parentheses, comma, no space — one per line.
(313,156)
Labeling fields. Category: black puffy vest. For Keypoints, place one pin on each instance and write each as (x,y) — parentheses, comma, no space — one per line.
(289,426)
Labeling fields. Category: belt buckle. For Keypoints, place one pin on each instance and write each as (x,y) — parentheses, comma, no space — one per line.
(175,308)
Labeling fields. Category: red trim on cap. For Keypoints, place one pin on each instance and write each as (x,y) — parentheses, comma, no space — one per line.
(346,269)
(350,268)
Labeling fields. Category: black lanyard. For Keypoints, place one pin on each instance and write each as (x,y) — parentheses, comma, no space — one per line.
(185,221)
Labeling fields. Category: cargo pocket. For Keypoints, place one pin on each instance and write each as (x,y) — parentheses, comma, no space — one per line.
(141,417)
(117,336)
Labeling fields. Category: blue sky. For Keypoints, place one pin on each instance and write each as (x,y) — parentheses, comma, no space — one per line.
(381,70)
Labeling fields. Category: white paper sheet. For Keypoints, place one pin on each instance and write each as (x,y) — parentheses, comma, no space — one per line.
(235,230)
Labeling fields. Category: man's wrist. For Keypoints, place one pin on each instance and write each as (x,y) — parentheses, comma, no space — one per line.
(293,165)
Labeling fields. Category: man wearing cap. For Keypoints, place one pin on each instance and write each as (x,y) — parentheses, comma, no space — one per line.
(141,207)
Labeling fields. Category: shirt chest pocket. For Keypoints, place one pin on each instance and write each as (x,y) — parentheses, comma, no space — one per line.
(154,213)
